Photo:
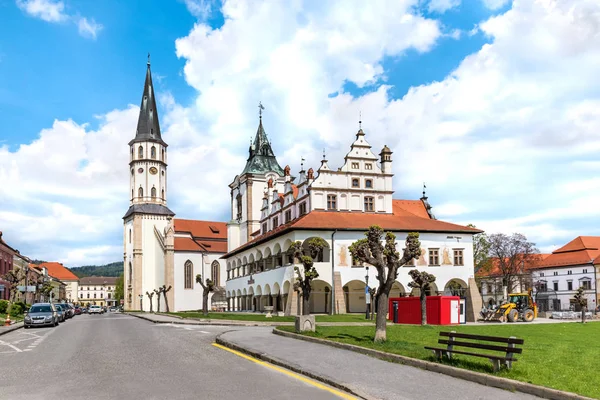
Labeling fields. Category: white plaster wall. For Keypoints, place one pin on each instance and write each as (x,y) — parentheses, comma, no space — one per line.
(128,254)
(191,299)
(153,260)
(562,277)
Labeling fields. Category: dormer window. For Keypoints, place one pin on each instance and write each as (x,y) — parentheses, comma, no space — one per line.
(275,222)
(355,183)
(302,208)
(369,166)
(264,228)
(369,183)
(288,216)
(355,165)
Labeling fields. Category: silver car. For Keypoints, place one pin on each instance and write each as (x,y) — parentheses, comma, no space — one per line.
(41,314)
(61,310)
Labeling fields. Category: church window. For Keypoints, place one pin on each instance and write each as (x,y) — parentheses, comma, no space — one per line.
(153,192)
(288,216)
(153,153)
(239,206)
(140,192)
(130,236)
(216,273)
(302,208)
(188,271)
(331,202)
(369,206)
(355,165)
(369,183)
(275,222)
(369,166)
(132,152)
(132,172)
(140,152)
(163,194)
(355,182)
(132,193)
(162,155)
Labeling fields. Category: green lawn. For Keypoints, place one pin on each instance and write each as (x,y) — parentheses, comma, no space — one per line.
(261,317)
(16,319)
(561,356)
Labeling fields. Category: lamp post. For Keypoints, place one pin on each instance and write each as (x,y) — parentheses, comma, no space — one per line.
(367,296)
(141,297)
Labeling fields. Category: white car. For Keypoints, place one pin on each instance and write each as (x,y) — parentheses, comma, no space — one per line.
(96,310)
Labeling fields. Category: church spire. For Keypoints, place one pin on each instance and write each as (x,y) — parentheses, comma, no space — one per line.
(148,127)
(261,158)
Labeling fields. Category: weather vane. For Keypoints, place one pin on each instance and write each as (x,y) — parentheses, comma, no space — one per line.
(302,164)
(360,120)
(148,58)
(260,109)
(424,187)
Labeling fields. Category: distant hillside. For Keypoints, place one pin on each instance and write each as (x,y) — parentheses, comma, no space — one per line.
(112,269)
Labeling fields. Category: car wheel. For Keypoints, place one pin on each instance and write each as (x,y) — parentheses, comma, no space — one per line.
(26,326)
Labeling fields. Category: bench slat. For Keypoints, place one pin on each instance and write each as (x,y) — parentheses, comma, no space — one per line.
(481,337)
(473,354)
(504,349)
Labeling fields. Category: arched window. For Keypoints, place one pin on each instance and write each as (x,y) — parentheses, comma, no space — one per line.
(132,193)
(215,273)
(140,152)
(153,153)
(153,192)
(132,152)
(130,236)
(140,192)
(162,155)
(130,275)
(163,194)
(188,271)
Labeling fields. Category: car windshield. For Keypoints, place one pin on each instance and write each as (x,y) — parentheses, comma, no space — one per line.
(58,308)
(39,309)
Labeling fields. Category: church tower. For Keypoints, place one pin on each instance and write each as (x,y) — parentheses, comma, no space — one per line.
(247,189)
(147,254)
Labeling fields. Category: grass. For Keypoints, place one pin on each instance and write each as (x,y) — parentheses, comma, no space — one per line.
(560,356)
(261,317)
(15,319)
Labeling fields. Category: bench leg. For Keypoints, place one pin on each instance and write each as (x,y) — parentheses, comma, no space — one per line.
(437,354)
(496,364)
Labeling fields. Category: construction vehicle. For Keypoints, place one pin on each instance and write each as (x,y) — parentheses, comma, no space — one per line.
(520,307)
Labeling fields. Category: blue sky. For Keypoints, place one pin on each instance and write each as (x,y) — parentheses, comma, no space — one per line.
(489,101)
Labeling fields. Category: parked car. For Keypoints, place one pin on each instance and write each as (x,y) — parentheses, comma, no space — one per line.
(41,314)
(113,309)
(77,310)
(96,310)
(62,312)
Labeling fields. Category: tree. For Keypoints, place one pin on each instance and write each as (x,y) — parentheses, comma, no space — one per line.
(158,292)
(150,295)
(164,289)
(15,277)
(207,287)
(581,300)
(385,258)
(119,288)
(481,250)
(309,273)
(512,253)
(421,280)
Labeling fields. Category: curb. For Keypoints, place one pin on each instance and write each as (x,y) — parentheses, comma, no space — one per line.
(12,328)
(295,368)
(206,322)
(477,377)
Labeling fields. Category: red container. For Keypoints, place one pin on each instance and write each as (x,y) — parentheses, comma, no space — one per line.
(441,310)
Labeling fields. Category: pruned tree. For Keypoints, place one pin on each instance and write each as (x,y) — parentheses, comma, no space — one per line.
(164,289)
(421,280)
(305,277)
(581,300)
(119,288)
(14,277)
(207,288)
(386,260)
(150,296)
(158,293)
(512,254)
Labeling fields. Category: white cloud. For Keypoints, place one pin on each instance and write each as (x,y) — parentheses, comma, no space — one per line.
(54,11)
(495,4)
(47,10)
(442,6)
(89,28)
(200,8)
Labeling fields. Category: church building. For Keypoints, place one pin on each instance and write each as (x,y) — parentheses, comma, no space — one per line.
(160,249)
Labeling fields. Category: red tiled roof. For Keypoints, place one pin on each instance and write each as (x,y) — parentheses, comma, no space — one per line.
(203,229)
(581,250)
(532,262)
(210,246)
(412,206)
(400,220)
(58,271)
(295,191)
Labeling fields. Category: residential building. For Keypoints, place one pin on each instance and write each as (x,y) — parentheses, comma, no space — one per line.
(6,264)
(574,265)
(97,290)
(158,248)
(30,278)
(58,271)
(271,209)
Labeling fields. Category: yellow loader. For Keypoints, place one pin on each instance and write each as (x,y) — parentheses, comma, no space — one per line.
(520,306)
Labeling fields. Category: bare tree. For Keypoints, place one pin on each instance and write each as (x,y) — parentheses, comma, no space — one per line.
(164,289)
(580,299)
(158,293)
(150,295)
(309,273)
(386,259)
(421,280)
(512,253)
(207,287)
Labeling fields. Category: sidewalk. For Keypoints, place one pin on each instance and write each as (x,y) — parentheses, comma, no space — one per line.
(5,329)
(365,376)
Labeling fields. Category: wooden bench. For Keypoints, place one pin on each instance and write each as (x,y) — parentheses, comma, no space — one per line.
(474,341)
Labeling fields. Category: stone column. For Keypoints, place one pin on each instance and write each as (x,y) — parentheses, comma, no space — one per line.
(274,303)
(339,298)
(474,302)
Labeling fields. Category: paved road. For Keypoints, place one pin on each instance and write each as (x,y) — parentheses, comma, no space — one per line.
(115,356)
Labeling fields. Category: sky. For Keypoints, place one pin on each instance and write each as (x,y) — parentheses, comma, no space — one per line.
(495,104)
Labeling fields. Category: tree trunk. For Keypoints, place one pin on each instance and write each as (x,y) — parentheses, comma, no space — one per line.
(583,314)
(205,303)
(158,303)
(306,305)
(151,304)
(166,301)
(381,320)
(423,297)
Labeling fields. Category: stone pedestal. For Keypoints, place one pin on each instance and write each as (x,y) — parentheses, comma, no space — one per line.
(305,323)
(339,299)
(474,302)
(269,309)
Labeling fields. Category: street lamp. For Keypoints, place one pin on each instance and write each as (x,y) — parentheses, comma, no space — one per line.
(141,297)
(367,297)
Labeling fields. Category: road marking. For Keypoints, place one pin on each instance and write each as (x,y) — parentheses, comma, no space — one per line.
(203,332)
(291,374)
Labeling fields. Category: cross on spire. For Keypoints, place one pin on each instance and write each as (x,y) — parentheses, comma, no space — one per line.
(260,109)
(302,164)
(360,120)
(148,58)
(424,187)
